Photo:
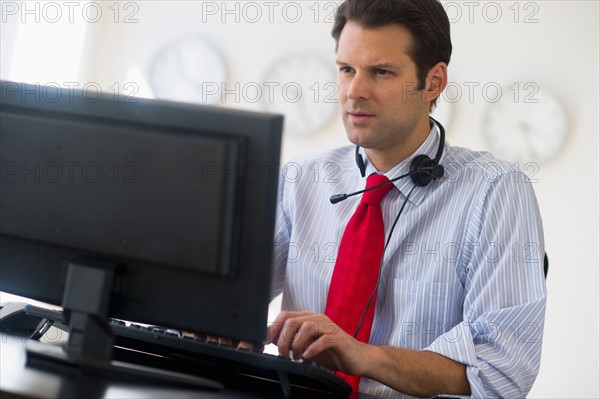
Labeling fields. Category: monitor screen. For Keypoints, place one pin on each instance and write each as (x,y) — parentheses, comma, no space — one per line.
(181,197)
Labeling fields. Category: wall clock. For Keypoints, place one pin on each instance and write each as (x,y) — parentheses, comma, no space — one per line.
(305,91)
(188,70)
(527,124)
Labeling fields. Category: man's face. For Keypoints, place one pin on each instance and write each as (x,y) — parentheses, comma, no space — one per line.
(382,109)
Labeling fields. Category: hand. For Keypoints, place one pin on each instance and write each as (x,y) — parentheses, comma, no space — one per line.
(315,337)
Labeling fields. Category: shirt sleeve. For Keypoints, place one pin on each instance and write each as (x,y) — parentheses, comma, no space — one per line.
(500,336)
(283,227)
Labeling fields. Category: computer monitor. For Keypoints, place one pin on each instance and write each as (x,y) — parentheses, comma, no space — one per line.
(173,204)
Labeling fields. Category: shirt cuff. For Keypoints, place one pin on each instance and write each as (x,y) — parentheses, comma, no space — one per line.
(457,344)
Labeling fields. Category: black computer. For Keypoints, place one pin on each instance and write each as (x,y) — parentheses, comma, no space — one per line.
(144,211)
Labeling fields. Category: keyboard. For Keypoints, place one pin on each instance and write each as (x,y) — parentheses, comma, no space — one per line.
(292,375)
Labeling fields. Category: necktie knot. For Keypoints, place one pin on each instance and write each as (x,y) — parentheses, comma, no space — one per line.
(374,197)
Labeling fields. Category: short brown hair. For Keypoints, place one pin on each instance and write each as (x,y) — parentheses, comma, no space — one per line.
(426,20)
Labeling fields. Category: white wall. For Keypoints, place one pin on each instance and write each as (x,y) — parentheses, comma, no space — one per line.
(560,50)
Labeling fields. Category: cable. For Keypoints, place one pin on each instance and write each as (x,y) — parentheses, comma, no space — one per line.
(360,321)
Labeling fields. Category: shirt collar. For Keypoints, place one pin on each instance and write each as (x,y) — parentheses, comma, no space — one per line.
(404,185)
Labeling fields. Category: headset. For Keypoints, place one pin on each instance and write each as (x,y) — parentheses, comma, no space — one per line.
(423,170)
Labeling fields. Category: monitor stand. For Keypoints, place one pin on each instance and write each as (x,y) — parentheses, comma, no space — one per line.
(90,345)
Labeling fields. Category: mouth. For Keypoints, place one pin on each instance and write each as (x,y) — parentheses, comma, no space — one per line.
(359,116)
(360,113)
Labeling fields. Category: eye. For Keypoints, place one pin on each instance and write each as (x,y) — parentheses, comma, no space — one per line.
(380,71)
(345,69)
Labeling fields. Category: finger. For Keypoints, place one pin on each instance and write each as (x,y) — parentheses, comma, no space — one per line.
(212,338)
(226,341)
(341,352)
(191,334)
(245,345)
(316,347)
(274,330)
(288,335)
(250,346)
(298,332)
(309,332)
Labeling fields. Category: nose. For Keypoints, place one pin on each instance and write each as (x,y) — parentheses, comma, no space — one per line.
(358,87)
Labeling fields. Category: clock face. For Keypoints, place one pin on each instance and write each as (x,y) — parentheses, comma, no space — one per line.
(304,90)
(188,70)
(527,124)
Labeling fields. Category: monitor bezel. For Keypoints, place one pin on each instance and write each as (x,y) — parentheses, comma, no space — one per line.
(230,306)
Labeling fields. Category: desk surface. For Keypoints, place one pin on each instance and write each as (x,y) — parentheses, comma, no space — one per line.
(17,380)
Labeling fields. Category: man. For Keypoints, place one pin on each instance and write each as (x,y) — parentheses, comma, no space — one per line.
(457,305)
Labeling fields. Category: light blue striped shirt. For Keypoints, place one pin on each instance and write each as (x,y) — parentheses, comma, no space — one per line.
(462,275)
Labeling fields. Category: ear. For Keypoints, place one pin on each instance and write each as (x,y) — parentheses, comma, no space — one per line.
(436,81)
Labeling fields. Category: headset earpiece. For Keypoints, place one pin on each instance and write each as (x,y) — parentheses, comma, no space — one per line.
(422,168)
(360,162)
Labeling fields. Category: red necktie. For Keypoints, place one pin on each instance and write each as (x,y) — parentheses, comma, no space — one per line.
(357,267)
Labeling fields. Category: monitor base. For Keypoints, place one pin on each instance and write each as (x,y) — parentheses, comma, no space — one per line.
(47,356)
